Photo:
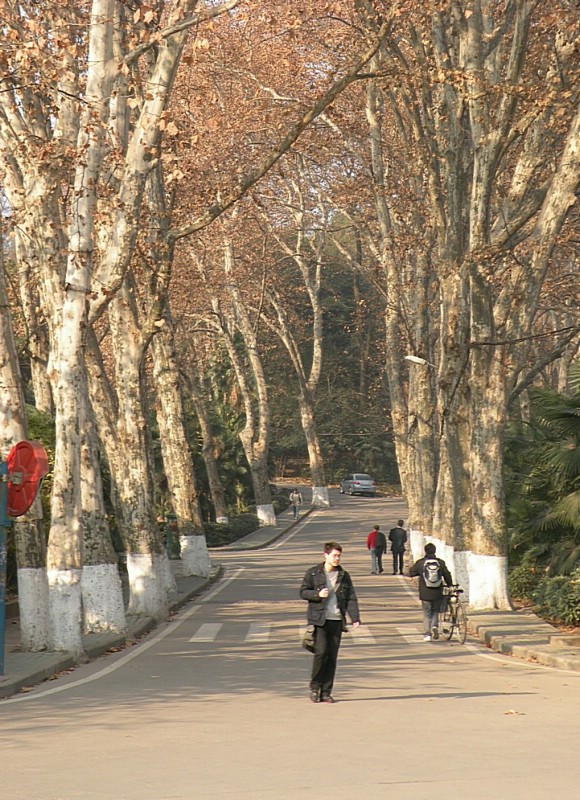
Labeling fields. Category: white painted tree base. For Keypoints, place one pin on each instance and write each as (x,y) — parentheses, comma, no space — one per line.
(266,515)
(488,582)
(163,566)
(416,545)
(148,593)
(222,520)
(103,606)
(461,573)
(194,556)
(33,605)
(320,497)
(64,605)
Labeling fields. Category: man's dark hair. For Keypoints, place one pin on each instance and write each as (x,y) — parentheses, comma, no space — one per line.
(430,549)
(400,523)
(330,546)
(377,527)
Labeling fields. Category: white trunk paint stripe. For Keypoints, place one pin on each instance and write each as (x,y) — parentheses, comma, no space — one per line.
(207,632)
(259,632)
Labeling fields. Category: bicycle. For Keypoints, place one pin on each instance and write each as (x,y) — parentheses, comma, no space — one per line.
(455,615)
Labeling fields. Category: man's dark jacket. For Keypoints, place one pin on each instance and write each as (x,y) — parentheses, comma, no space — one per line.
(430,592)
(398,537)
(314,580)
(380,541)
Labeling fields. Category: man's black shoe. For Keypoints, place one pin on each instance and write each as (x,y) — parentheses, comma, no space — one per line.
(327,698)
(314,696)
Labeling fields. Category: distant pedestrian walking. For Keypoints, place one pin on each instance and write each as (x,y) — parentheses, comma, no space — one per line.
(380,547)
(372,548)
(331,596)
(398,537)
(295,502)
(432,572)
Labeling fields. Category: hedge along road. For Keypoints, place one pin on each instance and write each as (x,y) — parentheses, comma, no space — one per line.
(214,704)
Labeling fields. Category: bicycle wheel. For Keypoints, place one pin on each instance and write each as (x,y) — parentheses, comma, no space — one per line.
(461,623)
(448,625)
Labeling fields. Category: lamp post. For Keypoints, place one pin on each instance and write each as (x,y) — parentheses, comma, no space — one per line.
(418,360)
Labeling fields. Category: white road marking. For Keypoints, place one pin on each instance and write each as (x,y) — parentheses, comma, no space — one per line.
(259,632)
(410,633)
(207,632)
(362,635)
(136,651)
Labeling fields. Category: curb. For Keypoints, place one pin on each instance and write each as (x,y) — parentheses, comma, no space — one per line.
(537,645)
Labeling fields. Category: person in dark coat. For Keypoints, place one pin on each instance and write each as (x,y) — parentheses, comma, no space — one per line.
(331,596)
(431,596)
(380,547)
(398,537)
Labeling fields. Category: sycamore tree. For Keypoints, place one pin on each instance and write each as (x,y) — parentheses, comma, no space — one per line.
(84,117)
(480,100)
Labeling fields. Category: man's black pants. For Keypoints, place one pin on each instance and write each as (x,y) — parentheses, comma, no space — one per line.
(398,561)
(379,556)
(326,646)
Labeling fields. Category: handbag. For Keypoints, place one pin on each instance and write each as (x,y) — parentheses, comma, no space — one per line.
(309,638)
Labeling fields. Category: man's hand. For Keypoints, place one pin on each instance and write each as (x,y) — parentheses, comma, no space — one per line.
(323,592)
(355,624)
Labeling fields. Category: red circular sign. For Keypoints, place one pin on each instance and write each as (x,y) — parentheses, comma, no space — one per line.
(27,466)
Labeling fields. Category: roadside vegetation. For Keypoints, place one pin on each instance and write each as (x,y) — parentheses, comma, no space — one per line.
(543,504)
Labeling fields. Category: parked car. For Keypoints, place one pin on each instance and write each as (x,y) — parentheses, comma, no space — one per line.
(358,483)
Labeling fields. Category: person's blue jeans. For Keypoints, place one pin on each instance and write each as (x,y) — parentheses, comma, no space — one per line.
(296,510)
(431,610)
(373,560)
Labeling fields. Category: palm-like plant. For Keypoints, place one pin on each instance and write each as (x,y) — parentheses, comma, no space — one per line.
(544,484)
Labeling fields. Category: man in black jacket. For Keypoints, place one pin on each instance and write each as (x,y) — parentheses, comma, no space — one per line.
(432,571)
(331,595)
(398,537)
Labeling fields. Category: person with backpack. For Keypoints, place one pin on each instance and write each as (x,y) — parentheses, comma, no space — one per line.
(432,572)
(398,537)
(295,502)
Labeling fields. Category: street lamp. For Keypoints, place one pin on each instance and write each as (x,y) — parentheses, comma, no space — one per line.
(418,360)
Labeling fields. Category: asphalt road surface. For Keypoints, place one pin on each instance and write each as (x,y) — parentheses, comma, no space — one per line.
(215,704)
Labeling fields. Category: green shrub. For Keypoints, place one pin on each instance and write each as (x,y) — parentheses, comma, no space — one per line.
(219,533)
(559,598)
(523,581)
(280,503)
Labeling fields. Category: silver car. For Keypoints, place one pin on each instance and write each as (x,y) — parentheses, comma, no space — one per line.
(358,483)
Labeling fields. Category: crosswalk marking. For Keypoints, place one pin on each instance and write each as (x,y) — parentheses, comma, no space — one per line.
(207,632)
(259,632)
(410,633)
(362,635)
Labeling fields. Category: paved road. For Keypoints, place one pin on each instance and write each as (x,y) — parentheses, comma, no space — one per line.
(215,703)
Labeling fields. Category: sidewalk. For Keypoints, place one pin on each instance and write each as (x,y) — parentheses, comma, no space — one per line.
(517,633)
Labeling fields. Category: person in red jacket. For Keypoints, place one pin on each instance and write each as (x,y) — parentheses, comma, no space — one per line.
(372,546)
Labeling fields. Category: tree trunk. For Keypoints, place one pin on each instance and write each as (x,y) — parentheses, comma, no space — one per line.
(209,448)
(102,595)
(149,576)
(28,529)
(177,460)
(255,438)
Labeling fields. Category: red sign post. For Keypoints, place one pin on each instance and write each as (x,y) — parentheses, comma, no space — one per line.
(20,478)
